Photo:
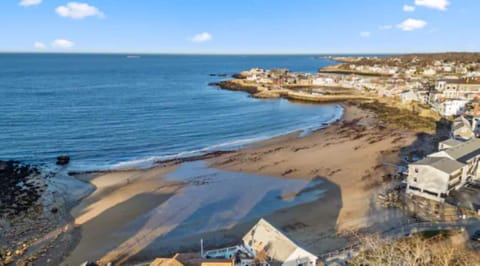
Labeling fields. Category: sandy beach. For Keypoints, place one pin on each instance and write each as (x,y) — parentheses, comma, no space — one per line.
(349,154)
(119,197)
(136,215)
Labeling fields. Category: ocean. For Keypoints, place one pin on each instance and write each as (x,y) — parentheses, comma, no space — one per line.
(114,111)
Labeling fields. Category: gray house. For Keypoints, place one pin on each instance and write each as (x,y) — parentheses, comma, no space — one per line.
(441,172)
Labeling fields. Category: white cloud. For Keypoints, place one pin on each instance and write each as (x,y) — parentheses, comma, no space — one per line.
(77,10)
(202,37)
(435,4)
(30,2)
(365,34)
(411,24)
(39,45)
(385,27)
(63,44)
(408,8)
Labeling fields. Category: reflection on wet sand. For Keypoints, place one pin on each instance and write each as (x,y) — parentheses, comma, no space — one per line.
(209,200)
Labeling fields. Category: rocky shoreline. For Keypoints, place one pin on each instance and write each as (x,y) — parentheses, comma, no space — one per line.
(289,93)
(35,223)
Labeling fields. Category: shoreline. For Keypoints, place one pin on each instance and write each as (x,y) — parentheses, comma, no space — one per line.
(119,175)
(301,132)
(290,93)
(346,206)
(354,145)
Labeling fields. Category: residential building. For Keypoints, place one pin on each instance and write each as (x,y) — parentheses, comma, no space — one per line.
(409,96)
(452,107)
(191,259)
(462,129)
(269,242)
(264,245)
(466,88)
(435,176)
(429,72)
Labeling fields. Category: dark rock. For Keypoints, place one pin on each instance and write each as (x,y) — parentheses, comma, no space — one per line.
(234,86)
(63,160)
(16,193)
(238,76)
(54,210)
(218,75)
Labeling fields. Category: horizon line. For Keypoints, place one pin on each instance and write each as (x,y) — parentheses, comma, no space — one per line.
(231,53)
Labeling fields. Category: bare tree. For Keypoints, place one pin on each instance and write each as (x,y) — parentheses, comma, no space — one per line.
(415,250)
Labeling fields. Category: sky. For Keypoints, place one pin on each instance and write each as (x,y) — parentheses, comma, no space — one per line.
(239,27)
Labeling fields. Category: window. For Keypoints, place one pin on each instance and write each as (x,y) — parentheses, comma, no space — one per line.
(430,193)
(414,188)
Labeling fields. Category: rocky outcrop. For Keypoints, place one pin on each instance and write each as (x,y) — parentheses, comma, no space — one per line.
(241,75)
(19,188)
(63,160)
(232,85)
(218,75)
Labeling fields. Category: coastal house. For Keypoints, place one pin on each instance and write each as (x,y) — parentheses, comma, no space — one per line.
(435,176)
(465,88)
(167,261)
(265,245)
(462,128)
(323,81)
(275,247)
(191,259)
(408,96)
(452,107)
(429,72)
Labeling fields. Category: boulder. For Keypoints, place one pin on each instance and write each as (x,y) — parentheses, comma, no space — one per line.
(63,160)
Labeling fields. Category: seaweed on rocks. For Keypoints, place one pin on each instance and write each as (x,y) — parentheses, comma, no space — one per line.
(19,189)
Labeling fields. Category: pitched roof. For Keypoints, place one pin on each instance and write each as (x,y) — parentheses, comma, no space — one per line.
(167,261)
(443,164)
(465,151)
(190,259)
(265,238)
(462,81)
(451,142)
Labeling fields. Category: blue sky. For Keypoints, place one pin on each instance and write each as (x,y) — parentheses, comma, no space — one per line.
(246,26)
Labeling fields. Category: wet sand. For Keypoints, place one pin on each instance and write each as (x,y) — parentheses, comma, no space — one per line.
(349,154)
(338,170)
(119,198)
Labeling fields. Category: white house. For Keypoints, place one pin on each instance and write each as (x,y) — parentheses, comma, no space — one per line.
(408,96)
(268,241)
(462,129)
(429,72)
(449,169)
(320,81)
(452,107)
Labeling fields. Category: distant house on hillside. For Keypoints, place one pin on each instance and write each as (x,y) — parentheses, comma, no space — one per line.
(277,249)
(429,72)
(452,107)
(466,88)
(409,96)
